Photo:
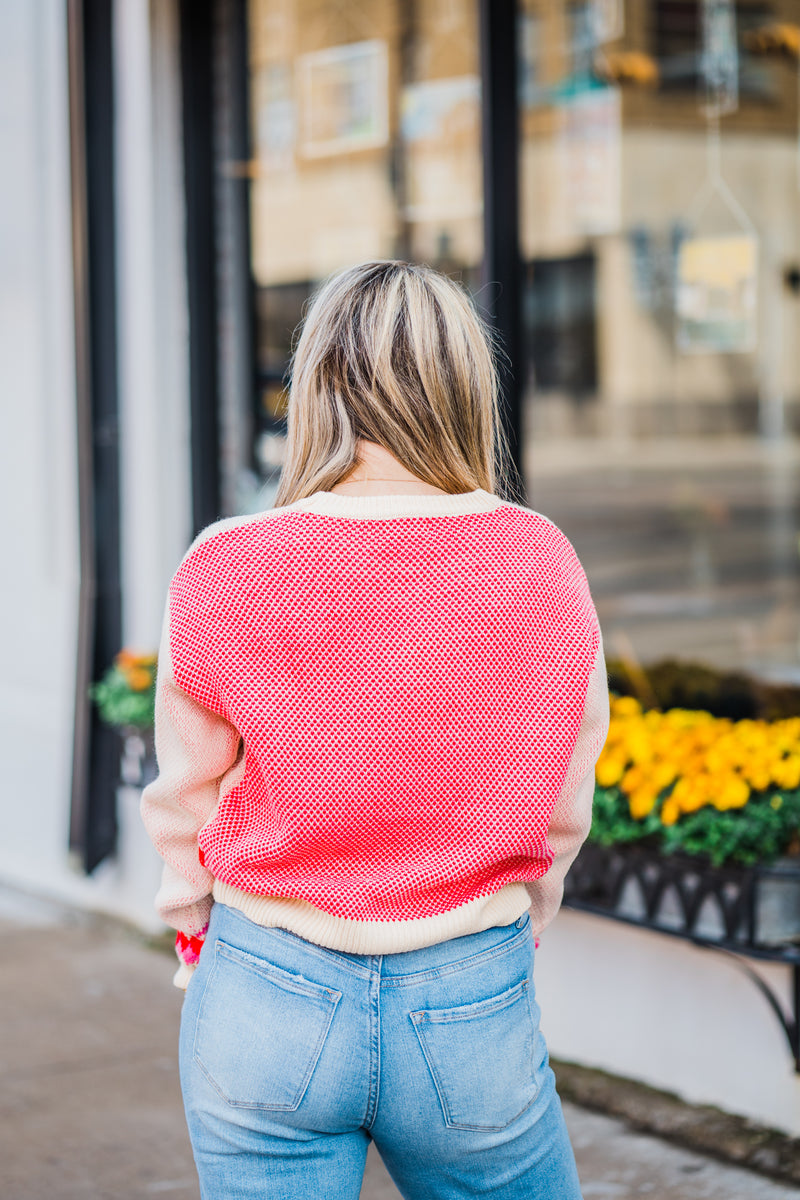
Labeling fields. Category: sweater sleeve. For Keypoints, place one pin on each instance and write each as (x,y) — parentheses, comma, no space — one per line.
(572,814)
(195,748)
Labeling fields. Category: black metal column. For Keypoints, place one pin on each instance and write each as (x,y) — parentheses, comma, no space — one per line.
(96,750)
(239,392)
(197,59)
(501,282)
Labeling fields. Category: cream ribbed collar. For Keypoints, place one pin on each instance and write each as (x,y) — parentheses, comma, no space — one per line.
(337,504)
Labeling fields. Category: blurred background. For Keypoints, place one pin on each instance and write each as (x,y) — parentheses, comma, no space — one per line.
(617,182)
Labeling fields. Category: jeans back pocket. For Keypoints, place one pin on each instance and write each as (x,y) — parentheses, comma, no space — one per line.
(260,1030)
(482,1058)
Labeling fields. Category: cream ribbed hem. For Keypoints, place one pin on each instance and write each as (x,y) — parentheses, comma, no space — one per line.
(337,504)
(376,937)
(183,975)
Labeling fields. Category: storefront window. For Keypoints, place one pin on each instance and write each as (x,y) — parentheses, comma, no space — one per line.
(660,238)
(366,137)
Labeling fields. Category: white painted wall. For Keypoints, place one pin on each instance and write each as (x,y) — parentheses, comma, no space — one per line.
(152,313)
(659,1010)
(38,483)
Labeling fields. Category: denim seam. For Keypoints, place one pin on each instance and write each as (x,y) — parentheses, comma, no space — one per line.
(199,1008)
(467,1012)
(536,1034)
(375,1045)
(459,964)
(289,938)
(364,972)
(289,981)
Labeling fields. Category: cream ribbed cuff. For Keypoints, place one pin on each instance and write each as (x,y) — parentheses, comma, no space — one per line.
(376,937)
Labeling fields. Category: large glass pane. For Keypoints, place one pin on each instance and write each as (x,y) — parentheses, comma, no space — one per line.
(366,137)
(660,236)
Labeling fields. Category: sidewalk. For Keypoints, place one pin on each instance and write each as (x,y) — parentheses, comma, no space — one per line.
(91,1106)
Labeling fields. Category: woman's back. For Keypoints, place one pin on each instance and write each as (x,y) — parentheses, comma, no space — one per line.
(409,691)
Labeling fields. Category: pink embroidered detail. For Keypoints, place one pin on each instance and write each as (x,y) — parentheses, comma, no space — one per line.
(189,946)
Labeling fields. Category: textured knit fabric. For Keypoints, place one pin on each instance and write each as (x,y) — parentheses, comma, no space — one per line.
(377,720)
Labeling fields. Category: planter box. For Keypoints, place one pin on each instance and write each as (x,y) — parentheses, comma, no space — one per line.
(756,908)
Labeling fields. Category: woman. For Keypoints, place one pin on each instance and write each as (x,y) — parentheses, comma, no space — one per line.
(378,711)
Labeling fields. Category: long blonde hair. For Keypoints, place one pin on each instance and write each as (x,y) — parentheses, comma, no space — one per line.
(394,353)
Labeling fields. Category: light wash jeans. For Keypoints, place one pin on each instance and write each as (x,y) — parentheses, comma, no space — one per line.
(292,1057)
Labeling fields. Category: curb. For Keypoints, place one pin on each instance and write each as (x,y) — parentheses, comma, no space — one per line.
(729,1138)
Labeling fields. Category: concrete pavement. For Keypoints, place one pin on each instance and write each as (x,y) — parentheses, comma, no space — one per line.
(90,1105)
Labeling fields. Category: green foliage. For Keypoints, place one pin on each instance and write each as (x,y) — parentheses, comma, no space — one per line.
(612,822)
(765,828)
(121,705)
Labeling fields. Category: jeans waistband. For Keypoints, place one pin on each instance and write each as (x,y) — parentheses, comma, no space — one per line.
(436,959)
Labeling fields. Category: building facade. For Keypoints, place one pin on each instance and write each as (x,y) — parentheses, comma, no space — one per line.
(618,184)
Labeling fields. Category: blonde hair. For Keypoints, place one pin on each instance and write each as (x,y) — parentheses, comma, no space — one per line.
(394,353)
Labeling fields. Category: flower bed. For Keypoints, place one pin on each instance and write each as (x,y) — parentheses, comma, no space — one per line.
(125,696)
(684,781)
(695,828)
(125,699)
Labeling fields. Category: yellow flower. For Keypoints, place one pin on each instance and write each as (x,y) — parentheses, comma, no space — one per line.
(719,758)
(786,773)
(640,748)
(126,659)
(776,802)
(633,778)
(662,775)
(704,760)
(609,770)
(758,773)
(139,680)
(694,800)
(665,743)
(641,803)
(733,792)
(789,730)
(675,718)
(689,794)
(670,812)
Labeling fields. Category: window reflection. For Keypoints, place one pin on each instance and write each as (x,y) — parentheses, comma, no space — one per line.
(366,132)
(660,229)
(659,236)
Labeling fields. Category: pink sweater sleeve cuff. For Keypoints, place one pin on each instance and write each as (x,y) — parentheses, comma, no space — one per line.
(188,946)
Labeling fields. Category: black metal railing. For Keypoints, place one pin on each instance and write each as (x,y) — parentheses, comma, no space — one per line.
(744,912)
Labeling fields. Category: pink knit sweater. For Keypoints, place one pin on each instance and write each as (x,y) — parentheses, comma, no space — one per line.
(377,720)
